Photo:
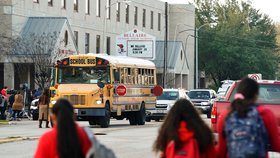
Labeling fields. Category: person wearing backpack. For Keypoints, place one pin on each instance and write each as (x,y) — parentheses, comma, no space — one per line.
(184,134)
(246,130)
(67,139)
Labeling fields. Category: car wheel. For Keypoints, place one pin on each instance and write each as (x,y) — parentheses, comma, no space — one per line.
(157,119)
(141,115)
(148,119)
(105,120)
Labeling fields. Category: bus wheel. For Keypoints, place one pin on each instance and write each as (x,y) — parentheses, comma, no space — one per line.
(141,115)
(105,121)
(132,118)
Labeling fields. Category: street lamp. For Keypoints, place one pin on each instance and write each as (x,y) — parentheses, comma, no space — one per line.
(196,53)
(107,6)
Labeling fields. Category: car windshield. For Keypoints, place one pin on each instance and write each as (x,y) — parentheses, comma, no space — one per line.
(82,75)
(169,95)
(199,95)
(268,94)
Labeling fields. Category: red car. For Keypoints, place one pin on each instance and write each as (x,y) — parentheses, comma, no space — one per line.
(269,96)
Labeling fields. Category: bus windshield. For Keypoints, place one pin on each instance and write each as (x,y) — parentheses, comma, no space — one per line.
(83,75)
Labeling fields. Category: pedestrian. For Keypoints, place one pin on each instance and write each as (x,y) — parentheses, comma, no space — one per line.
(43,104)
(11,101)
(67,139)
(3,104)
(4,91)
(17,106)
(246,129)
(184,134)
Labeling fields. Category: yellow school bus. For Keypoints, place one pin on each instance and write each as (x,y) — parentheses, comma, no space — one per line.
(103,87)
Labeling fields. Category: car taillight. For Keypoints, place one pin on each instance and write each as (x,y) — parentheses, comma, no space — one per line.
(214,114)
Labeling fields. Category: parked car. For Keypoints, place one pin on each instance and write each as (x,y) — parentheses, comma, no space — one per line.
(203,99)
(268,96)
(34,110)
(224,87)
(165,103)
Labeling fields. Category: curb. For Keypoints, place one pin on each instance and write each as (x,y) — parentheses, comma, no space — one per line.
(16,139)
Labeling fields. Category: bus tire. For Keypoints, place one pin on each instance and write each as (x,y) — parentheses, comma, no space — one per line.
(141,115)
(132,118)
(105,120)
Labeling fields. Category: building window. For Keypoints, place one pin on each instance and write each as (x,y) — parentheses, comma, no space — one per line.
(152,20)
(127,13)
(76,34)
(108,9)
(159,21)
(135,16)
(98,8)
(87,7)
(144,18)
(108,46)
(87,43)
(118,10)
(66,38)
(35,1)
(50,2)
(63,4)
(76,5)
(97,44)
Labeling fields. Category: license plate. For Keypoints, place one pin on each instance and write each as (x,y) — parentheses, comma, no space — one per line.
(76,111)
(161,111)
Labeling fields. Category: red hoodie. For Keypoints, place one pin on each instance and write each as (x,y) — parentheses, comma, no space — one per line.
(190,146)
(47,144)
(270,123)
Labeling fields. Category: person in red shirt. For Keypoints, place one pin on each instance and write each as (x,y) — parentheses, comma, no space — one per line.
(66,139)
(247,95)
(4,92)
(184,134)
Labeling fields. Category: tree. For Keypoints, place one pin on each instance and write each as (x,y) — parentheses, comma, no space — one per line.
(41,50)
(242,41)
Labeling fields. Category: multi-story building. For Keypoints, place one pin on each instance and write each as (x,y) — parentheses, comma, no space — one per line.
(95,25)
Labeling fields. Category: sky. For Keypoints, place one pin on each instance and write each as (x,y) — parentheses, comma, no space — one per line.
(269,7)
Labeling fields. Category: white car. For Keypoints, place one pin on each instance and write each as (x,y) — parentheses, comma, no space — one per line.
(165,103)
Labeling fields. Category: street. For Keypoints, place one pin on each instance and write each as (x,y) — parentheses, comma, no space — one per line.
(126,141)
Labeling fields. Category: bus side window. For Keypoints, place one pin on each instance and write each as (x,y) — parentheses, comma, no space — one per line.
(139,76)
(116,76)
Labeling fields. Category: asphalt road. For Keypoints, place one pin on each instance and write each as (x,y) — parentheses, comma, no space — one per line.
(126,141)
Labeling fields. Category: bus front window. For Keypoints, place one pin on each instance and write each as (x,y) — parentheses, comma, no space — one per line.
(83,75)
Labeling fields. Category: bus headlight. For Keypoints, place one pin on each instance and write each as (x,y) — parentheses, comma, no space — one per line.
(98,102)
(53,102)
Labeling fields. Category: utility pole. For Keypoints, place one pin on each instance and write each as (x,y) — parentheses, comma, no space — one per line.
(165,47)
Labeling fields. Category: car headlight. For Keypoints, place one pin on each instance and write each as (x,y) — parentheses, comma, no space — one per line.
(98,102)
(53,102)
(169,106)
(204,103)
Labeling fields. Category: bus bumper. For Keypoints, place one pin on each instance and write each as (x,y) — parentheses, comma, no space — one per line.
(87,114)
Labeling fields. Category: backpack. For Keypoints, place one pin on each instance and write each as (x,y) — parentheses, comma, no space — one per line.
(97,150)
(189,150)
(246,137)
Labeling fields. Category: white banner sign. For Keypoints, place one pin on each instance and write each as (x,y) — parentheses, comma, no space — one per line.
(136,43)
(255,76)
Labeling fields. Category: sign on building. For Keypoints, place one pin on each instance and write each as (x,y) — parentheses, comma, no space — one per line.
(255,76)
(137,44)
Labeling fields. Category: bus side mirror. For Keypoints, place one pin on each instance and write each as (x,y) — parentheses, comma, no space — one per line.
(116,76)
(101,84)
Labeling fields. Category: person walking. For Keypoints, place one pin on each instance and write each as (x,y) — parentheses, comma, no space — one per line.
(43,104)
(11,101)
(184,134)
(67,139)
(246,129)
(17,106)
